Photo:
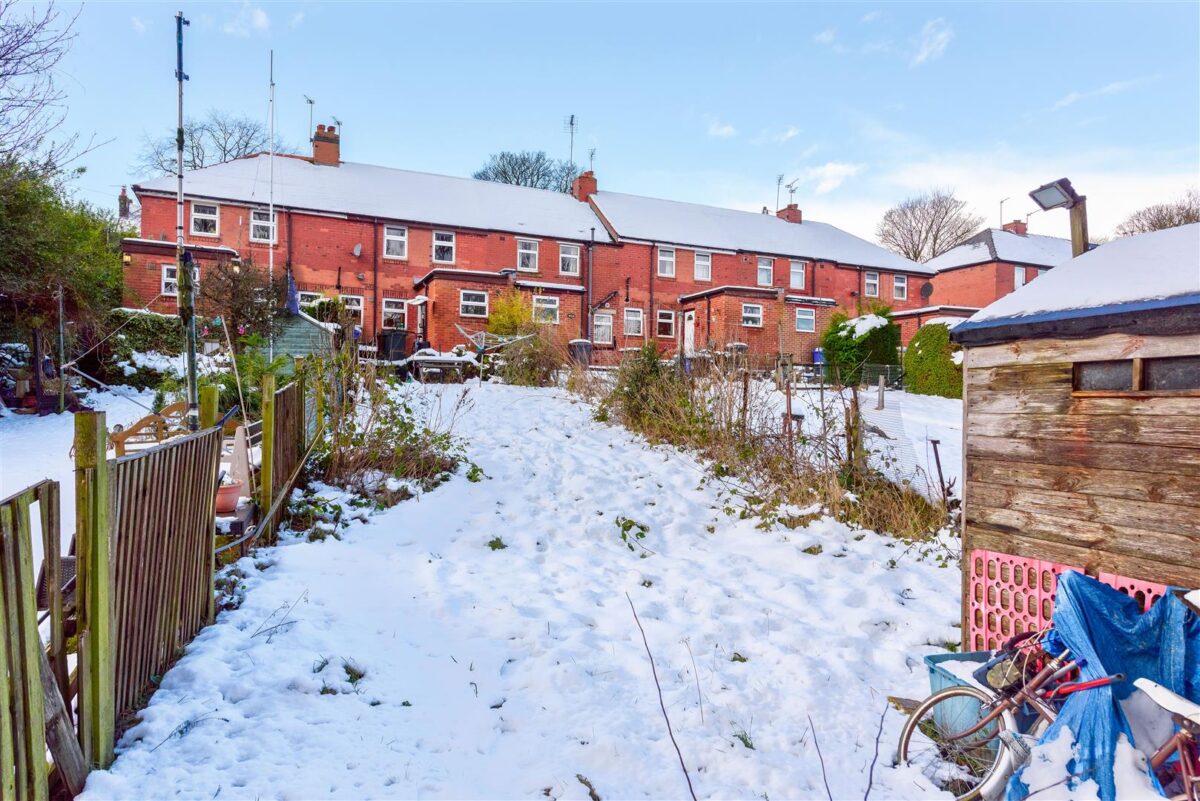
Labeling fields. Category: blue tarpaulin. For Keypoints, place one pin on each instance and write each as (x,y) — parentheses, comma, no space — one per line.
(1109,630)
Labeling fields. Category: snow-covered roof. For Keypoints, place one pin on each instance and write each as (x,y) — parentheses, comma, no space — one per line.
(671,222)
(386,192)
(996,244)
(1148,271)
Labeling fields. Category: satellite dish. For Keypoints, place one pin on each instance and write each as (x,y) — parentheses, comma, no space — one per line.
(926,289)
(358,251)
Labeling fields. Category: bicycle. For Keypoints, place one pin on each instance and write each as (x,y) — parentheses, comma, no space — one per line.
(1182,775)
(969,740)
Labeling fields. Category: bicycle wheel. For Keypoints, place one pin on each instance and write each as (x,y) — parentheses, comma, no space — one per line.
(974,766)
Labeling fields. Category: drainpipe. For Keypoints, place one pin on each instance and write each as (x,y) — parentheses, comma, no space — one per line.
(650,311)
(378,318)
(587,311)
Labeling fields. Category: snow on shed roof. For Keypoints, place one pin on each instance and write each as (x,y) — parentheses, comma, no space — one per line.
(391,193)
(1158,266)
(671,222)
(996,244)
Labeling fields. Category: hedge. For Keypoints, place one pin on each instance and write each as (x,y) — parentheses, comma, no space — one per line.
(847,350)
(930,366)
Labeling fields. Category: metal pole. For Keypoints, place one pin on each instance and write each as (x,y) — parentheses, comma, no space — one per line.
(62,354)
(271,207)
(183,265)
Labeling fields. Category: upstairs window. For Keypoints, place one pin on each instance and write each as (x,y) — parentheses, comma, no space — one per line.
(527,255)
(262,226)
(664,324)
(545,309)
(443,247)
(633,323)
(472,303)
(568,259)
(871,285)
(1018,277)
(752,315)
(395,314)
(703,268)
(666,262)
(900,287)
(796,274)
(1168,375)
(205,219)
(766,271)
(395,242)
(806,321)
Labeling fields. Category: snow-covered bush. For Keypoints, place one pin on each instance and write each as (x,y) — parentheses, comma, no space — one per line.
(851,343)
(933,363)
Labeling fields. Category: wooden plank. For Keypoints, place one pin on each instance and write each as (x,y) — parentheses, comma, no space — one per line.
(96,668)
(1091,561)
(1109,346)
(1106,455)
(60,734)
(266,469)
(1173,431)
(1161,517)
(1055,375)
(51,515)
(1128,484)
(20,548)
(1021,401)
(8,777)
(1124,540)
(210,396)
(18,762)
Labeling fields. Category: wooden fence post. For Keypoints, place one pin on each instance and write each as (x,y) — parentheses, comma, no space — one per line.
(210,397)
(97,716)
(266,476)
(879,402)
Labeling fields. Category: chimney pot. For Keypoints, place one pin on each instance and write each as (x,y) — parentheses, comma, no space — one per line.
(1018,227)
(327,148)
(791,212)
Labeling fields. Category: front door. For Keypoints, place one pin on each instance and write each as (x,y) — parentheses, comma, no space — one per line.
(689,333)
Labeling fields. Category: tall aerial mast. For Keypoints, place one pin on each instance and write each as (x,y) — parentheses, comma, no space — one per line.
(183,261)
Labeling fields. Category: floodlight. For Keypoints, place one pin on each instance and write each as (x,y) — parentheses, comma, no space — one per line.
(1055,195)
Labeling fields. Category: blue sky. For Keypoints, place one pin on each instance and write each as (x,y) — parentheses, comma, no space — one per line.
(865,104)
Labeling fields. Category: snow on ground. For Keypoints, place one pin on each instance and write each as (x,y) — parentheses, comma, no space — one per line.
(33,448)
(505,673)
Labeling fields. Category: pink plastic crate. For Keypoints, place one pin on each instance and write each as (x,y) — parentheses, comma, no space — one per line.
(1008,594)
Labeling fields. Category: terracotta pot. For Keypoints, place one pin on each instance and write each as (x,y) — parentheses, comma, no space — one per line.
(227,497)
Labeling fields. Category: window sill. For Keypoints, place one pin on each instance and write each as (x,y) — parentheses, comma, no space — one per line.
(207,236)
(1137,394)
(397,259)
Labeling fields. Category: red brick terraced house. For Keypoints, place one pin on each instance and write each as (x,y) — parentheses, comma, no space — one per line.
(430,253)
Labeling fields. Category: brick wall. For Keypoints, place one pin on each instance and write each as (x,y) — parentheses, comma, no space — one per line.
(978,285)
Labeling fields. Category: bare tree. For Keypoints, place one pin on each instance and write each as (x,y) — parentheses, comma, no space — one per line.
(529,168)
(217,138)
(31,104)
(1183,211)
(926,226)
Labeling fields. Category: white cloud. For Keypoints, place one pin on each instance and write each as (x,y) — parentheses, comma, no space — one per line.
(720,130)
(1111,89)
(870,17)
(776,136)
(831,175)
(826,36)
(935,38)
(296,19)
(249,19)
(139,25)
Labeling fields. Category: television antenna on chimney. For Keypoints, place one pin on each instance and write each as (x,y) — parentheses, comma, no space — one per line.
(311,103)
(591,159)
(570,125)
(337,122)
(791,188)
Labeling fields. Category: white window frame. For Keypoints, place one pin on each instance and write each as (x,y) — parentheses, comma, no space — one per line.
(395,234)
(748,314)
(523,251)
(608,317)
(661,316)
(215,217)
(393,307)
(269,221)
(765,263)
(797,267)
(463,302)
(452,244)
(353,303)
(810,315)
(173,280)
(870,285)
(314,297)
(569,254)
(900,287)
(666,258)
(549,303)
(696,276)
(632,313)
(1020,277)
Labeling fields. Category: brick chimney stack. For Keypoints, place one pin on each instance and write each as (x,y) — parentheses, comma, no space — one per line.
(327,147)
(791,213)
(584,186)
(1018,227)
(123,205)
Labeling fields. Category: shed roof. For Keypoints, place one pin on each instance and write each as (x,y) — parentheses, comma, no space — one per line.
(650,219)
(1117,284)
(996,244)
(393,194)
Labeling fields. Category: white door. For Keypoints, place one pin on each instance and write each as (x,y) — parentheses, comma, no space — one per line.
(689,333)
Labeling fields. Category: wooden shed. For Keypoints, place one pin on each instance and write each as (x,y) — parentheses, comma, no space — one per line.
(1082,433)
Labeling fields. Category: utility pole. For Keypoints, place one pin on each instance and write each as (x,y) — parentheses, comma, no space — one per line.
(271,205)
(183,262)
(1079,227)
(62,354)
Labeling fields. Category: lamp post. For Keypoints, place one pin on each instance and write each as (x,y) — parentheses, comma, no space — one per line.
(1061,195)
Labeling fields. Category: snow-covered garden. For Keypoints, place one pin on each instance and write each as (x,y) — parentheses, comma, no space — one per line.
(480,640)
